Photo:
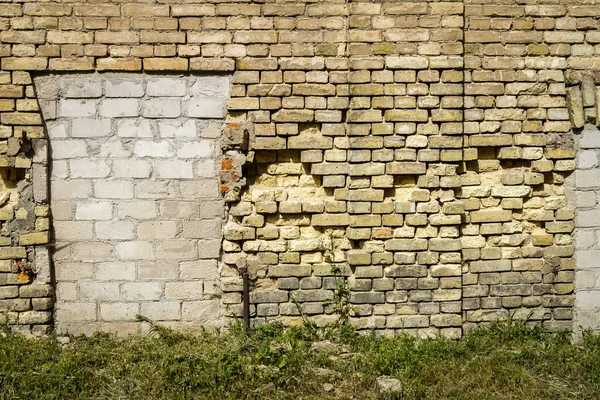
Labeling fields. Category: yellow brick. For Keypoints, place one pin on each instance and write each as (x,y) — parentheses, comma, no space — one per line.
(74,64)
(19,118)
(34,238)
(119,64)
(208,64)
(61,37)
(24,63)
(117,37)
(11,91)
(7,253)
(165,64)
(144,10)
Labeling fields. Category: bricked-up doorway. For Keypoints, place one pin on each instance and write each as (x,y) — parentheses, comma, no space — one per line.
(136,212)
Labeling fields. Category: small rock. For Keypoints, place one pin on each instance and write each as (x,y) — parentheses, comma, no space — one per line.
(324,372)
(63,339)
(388,387)
(328,387)
(324,346)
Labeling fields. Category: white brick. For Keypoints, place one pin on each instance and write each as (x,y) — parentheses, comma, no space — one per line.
(61,210)
(73,271)
(585,299)
(93,210)
(91,252)
(73,231)
(66,291)
(98,291)
(115,271)
(586,199)
(137,209)
(177,250)
(131,168)
(179,209)
(216,86)
(113,189)
(60,169)
(57,129)
(113,148)
(205,108)
(114,230)
(184,290)
(588,259)
(587,159)
(120,108)
(81,87)
(590,138)
(164,270)
(129,87)
(202,148)
(584,239)
(147,148)
(206,168)
(212,129)
(89,168)
(199,269)
(155,190)
(588,178)
(211,248)
(142,291)
(76,108)
(64,149)
(161,108)
(90,127)
(157,230)
(212,209)
(207,229)
(199,189)
(72,189)
(118,311)
(177,129)
(166,87)
(70,312)
(163,311)
(205,312)
(137,127)
(134,251)
(173,169)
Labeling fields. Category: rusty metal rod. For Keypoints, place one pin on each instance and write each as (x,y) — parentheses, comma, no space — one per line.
(245,297)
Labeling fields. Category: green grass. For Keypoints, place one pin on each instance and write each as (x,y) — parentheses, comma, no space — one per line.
(503,361)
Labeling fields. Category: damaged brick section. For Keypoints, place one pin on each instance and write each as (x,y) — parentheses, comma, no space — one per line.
(424,148)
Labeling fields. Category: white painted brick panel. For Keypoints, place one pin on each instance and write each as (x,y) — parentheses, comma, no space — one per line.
(135,198)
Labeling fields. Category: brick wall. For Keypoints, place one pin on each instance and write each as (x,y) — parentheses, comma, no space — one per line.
(421,146)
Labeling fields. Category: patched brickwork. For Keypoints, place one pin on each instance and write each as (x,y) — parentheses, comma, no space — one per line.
(422,147)
(136,211)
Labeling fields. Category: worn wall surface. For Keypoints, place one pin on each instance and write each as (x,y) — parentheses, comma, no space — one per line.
(422,147)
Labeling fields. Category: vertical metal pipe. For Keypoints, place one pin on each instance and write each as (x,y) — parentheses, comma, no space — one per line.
(245,297)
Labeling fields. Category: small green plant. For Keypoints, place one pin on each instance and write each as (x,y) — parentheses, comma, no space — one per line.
(341,304)
(163,332)
(308,324)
